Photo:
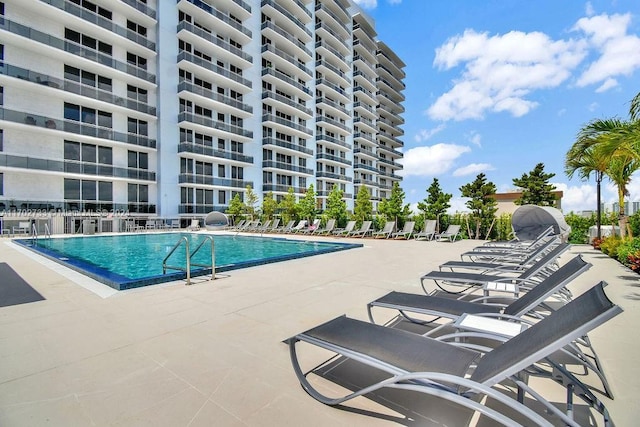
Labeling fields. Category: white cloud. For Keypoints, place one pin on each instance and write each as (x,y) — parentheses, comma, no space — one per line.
(577,198)
(431,160)
(608,84)
(619,51)
(475,138)
(425,134)
(366,4)
(593,106)
(500,71)
(473,169)
(458,205)
(588,10)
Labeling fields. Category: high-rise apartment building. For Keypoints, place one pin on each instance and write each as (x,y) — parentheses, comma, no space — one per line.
(171,108)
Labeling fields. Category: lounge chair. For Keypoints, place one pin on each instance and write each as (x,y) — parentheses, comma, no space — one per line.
(328,227)
(507,282)
(386,230)
(274,226)
(299,226)
(261,228)
(406,231)
(23,227)
(516,243)
(505,263)
(238,225)
(346,230)
(363,231)
(461,375)
(428,231)
(287,228)
(194,226)
(175,223)
(313,227)
(451,233)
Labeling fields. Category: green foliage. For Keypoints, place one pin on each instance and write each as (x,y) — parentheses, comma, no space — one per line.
(535,186)
(579,227)
(269,206)
(626,248)
(236,207)
(394,208)
(457,218)
(610,244)
(251,199)
(337,207)
(502,229)
(289,207)
(363,208)
(307,205)
(634,223)
(482,205)
(436,202)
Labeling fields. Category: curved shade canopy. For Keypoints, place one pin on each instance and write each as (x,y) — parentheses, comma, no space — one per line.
(216,220)
(528,221)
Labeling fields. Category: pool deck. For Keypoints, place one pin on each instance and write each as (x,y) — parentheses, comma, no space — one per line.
(212,353)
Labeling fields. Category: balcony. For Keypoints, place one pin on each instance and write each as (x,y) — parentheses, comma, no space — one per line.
(190,147)
(281,76)
(288,123)
(184,25)
(267,94)
(102,22)
(333,104)
(213,124)
(209,94)
(187,56)
(286,144)
(281,188)
(366,167)
(186,178)
(70,166)
(331,157)
(330,175)
(332,140)
(286,57)
(142,7)
(332,122)
(271,26)
(320,64)
(221,16)
(75,87)
(76,128)
(290,17)
(324,9)
(75,49)
(196,208)
(286,166)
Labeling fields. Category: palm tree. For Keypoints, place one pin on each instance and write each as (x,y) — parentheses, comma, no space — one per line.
(634,110)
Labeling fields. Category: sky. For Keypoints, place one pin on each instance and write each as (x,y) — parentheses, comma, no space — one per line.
(498,86)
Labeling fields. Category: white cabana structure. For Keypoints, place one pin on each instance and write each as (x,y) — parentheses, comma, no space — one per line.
(216,221)
(528,221)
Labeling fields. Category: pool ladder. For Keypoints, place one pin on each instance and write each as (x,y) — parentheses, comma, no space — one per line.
(34,233)
(188,256)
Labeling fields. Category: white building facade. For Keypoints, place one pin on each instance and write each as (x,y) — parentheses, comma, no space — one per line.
(171,108)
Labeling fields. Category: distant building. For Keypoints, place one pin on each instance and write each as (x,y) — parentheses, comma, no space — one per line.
(506,201)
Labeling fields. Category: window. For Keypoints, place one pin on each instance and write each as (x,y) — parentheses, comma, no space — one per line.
(1,139)
(186,195)
(237,172)
(87,41)
(71,189)
(87,115)
(137,193)
(136,61)
(222,196)
(137,93)
(221,173)
(1,184)
(138,160)
(137,28)
(136,126)
(93,8)
(105,191)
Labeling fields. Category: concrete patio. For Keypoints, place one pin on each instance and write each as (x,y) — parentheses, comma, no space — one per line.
(212,353)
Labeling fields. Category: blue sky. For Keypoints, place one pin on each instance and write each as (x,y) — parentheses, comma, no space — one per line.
(497,86)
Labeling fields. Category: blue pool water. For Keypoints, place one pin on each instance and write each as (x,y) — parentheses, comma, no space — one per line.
(133,260)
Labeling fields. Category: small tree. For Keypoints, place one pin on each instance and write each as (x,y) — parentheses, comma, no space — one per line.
(251,200)
(436,203)
(307,205)
(236,207)
(336,206)
(269,206)
(363,208)
(482,203)
(536,189)
(394,208)
(289,206)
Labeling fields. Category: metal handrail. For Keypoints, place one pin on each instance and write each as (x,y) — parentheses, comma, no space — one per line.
(188,256)
(213,256)
(188,259)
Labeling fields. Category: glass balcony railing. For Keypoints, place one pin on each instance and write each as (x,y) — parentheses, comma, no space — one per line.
(214,124)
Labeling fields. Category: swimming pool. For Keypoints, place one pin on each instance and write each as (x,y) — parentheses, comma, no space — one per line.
(128,261)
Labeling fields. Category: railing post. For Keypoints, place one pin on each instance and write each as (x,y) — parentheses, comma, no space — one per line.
(188,256)
(213,260)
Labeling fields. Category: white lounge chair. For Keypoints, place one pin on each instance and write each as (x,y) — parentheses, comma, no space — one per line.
(406,231)
(451,233)
(194,226)
(386,230)
(346,230)
(428,231)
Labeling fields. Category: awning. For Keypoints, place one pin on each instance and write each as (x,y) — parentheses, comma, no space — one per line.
(528,221)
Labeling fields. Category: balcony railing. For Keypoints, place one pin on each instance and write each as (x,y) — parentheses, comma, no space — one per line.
(290,102)
(184,25)
(185,178)
(187,56)
(286,144)
(324,119)
(332,140)
(286,13)
(75,87)
(286,35)
(221,16)
(207,93)
(287,123)
(286,166)
(185,116)
(76,127)
(282,188)
(190,147)
(333,104)
(286,79)
(325,156)
(142,7)
(330,175)
(70,166)
(102,22)
(289,58)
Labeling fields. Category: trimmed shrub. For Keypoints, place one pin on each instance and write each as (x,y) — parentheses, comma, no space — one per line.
(609,246)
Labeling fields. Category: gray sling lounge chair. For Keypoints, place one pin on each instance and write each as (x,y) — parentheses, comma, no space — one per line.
(497,282)
(406,231)
(461,375)
(451,233)
(386,231)
(363,231)
(328,227)
(428,231)
(346,230)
